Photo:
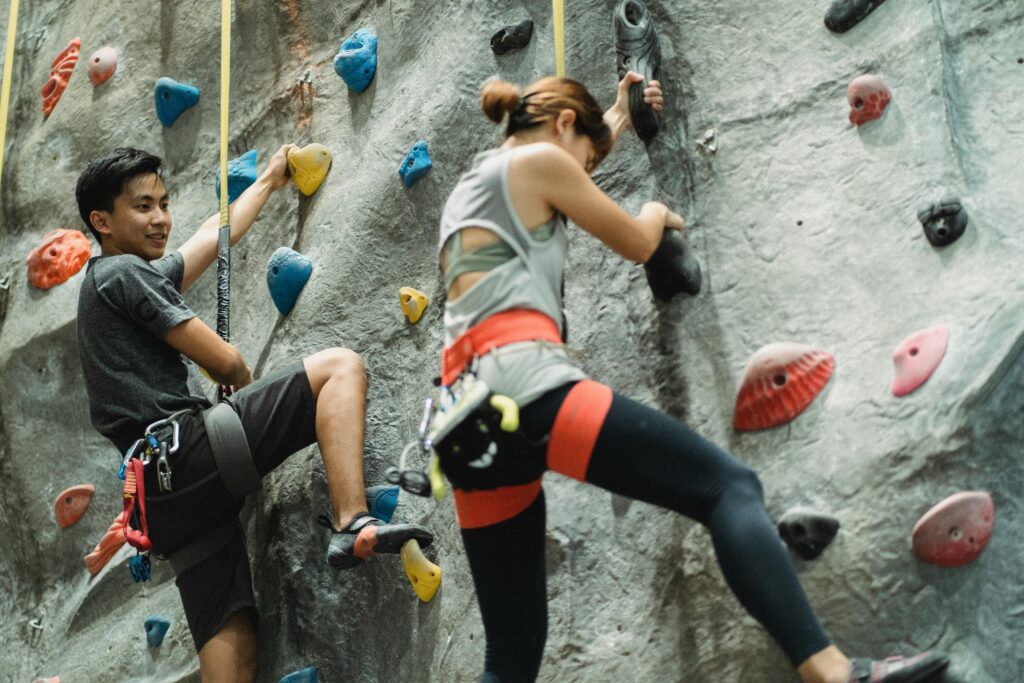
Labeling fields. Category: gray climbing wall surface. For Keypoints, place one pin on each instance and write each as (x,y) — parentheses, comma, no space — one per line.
(807,231)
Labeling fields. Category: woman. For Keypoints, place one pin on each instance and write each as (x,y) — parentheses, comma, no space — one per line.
(503,246)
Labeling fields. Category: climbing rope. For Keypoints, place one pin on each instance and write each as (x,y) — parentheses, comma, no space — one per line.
(558,17)
(224,234)
(5,95)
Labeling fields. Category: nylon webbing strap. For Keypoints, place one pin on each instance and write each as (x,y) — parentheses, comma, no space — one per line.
(224,234)
(5,94)
(202,547)
(558,18)
(231,450)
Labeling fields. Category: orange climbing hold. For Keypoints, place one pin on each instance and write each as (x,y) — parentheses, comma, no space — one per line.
(72,503)
(102,65)
(780,381)
(107,547)
(955,531)
(60,72)
(61,254)
(917,357)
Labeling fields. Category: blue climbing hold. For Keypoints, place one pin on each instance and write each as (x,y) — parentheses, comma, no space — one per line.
(172,99)
(156,629)
(415,164)
(287,273)
(241,174)
(356,61)
(382,501)
(307,675)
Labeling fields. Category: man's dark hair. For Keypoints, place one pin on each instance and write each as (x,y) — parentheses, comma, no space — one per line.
(105,178)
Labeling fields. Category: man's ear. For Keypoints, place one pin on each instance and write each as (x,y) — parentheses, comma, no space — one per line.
(566,121)
(101,221)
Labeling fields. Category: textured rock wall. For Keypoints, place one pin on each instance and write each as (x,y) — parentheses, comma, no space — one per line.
(806,229)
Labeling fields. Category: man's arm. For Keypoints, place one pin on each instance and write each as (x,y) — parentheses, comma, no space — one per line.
(200,250)
(224,363)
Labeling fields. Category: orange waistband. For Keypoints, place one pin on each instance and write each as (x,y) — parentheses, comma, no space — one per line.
(507,327)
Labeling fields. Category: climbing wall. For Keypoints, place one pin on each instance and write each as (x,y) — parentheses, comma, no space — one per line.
(807,230)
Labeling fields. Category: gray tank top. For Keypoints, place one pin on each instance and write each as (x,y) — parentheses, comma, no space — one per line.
(532,280)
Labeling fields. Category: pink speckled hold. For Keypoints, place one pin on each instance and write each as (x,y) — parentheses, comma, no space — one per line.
(916,358)
(780,381)
(955,531)
(868,97)
(61,254)
(102,65)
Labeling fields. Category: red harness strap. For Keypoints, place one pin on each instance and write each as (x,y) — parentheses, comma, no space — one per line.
(507,327)
(135,496)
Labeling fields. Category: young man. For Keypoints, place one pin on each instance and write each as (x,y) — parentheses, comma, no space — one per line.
(133,329)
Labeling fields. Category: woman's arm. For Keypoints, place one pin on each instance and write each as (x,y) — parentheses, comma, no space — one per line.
(617,116)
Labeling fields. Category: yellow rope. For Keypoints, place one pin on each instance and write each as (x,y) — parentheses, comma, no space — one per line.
(5,95)
(225,88)
(558,16)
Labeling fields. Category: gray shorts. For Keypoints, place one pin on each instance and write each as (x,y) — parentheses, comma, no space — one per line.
(278,413)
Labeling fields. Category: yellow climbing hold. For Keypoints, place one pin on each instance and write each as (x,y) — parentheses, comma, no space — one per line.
(509,410)
(436,478)
(309,166)
(413,302)
(424,575)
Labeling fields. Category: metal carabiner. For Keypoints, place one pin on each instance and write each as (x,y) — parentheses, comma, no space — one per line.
(163,469)
(129,454)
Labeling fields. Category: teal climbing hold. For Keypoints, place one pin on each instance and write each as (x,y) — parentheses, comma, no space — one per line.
(172,99)
(381,500)
(356,61)
(156,629)
(241,174)
(287,273)
(415,164)
(307,675)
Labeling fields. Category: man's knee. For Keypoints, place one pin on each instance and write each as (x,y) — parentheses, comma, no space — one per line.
(335,363)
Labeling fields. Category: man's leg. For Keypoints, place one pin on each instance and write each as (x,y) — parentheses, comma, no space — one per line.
(230,655)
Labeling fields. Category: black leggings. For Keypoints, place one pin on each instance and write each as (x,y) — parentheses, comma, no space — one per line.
(648,456)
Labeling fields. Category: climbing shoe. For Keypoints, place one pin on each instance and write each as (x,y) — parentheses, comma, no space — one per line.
(366,536)
(917,669)
(637,49)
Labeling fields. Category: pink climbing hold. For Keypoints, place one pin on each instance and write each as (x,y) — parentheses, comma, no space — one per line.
(916,358)
(955,531)
(61,254)
(107,547)
(868,97)
(102,65)
(55,679)
(72,503)
(780,381)
(60,72)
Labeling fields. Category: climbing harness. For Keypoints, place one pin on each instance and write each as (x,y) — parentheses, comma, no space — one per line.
(558,18)
(5,93)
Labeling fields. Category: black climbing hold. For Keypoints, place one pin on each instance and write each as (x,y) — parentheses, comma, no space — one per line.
(637,49)
(673,268)
(512,37)
(807,532)
(843,15)
(943,221)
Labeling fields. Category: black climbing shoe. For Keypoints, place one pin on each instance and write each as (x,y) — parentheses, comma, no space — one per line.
(807,532)
(843,15)
(637,49)
(673,268)
(366,536)
(512,37)
(917,669)
(943,222)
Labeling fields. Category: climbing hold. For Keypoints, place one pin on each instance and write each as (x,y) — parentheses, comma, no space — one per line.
(356,61)
(943,221)
(512,37)
(287,273)
(102,65)
(780,381)
(55,679)
(413,303)
(381,501)
(916,358)
(60,255)
(107,547)
(637,49)
(424,575)
(307,675)
(955,531)
(868,97)
(72,503)
(808,532)
(673,267)
(172,99)
(843,15)
(60,72)
(156,629)
(309,166)
(241,174)
(415,164)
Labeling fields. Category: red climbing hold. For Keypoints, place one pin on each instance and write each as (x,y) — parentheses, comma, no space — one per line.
(868,98)
(61,254)
(72,503)
(781,380)
(916,358)
(102,65)
(107,547)
(60,72)
(955,531)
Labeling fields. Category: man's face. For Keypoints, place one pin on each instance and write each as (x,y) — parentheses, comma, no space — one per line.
(140,221)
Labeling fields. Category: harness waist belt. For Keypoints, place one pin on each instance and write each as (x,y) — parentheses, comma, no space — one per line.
(500,329)
(231,450)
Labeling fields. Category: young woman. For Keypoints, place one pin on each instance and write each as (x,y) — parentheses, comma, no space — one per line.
(502,247)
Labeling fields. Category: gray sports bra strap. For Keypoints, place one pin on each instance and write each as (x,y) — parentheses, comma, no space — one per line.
(488,257)
(231,450)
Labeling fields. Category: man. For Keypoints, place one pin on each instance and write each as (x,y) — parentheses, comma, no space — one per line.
(133,329)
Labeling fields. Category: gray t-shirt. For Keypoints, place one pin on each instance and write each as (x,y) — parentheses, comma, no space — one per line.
(125,309)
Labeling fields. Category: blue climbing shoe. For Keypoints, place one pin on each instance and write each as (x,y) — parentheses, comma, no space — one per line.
(241,174)
(415,164)
(172,99)
(356,61)
(287,273)
(366,536)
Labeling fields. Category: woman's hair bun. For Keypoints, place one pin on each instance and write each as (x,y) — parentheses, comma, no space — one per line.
(498,97)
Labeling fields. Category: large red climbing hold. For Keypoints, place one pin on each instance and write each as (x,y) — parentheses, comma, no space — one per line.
(868,97)
(955,531)
(102,65)
(780,381)
(60,72)
(916,358)
(72,503)
(61,254)
(107,547)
